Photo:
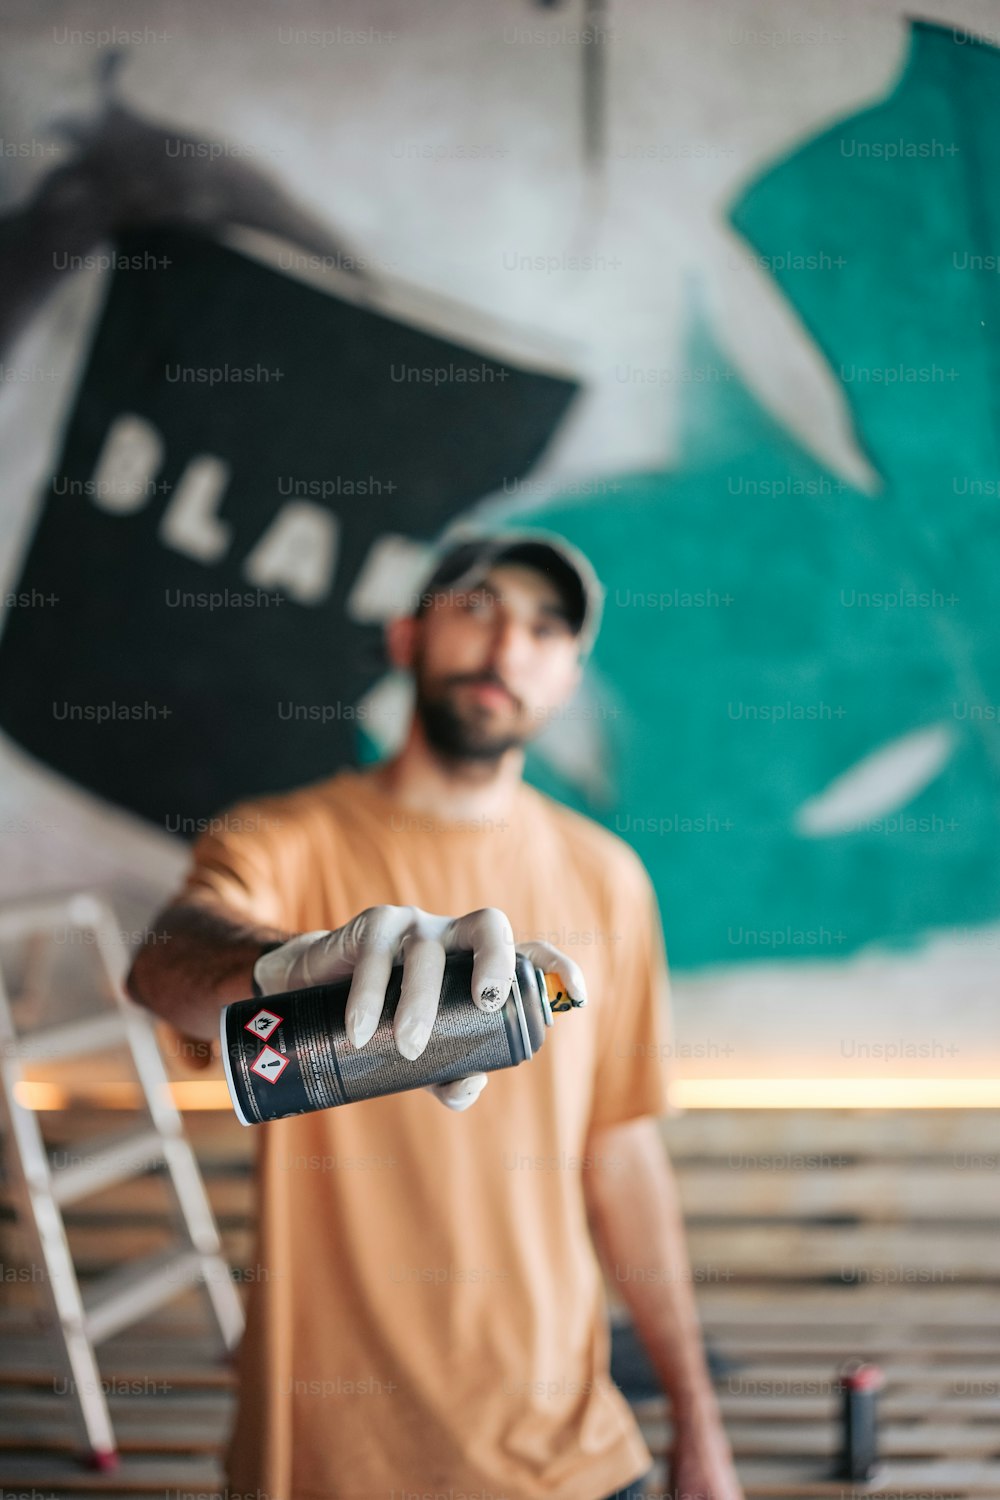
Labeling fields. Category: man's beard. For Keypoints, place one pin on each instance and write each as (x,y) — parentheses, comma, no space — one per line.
(459,734)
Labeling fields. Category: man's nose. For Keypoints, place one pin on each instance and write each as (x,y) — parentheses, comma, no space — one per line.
(511,644)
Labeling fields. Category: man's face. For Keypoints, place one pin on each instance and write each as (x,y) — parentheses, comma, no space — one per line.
(493,663)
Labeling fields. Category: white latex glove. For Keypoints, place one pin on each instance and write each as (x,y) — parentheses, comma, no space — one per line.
(376,939)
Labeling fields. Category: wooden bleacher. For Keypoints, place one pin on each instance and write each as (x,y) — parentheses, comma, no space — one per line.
(815,1237)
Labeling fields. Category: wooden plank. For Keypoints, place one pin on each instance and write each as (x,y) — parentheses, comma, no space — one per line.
(899,1406)
(125,1353)
(210,1492)
(876,1192)
(954,1316)
(60,1493)
(219,1129)
(765,1479)
(861,1134)
(956,1313)
(805,1440)
(25,1303)
(139,1472)
(151,1433)
(811,1440)
(912,1405)
(865,1134)
(172,1365)
(930,1305)
(886,1256)
(27,1310)
(231,1194)
(174,1407)
(951,1359)
(764,1377)
(883,1255)
(147,1431)
(97,1248)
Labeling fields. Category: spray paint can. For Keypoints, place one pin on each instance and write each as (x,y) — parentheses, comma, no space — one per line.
(859,1384)
(289,1054)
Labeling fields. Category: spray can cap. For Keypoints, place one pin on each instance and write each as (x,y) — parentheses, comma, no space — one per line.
(859,1375)
(558,995)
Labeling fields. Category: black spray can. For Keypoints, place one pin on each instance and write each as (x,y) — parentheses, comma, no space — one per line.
(859,1385)
(289,1054)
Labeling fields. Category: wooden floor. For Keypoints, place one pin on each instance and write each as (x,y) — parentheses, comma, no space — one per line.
(815,1238)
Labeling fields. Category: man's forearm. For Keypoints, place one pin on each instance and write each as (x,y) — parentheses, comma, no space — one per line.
(196,958)
(635,1211)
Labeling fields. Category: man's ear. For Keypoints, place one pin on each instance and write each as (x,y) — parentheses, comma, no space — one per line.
(400,641)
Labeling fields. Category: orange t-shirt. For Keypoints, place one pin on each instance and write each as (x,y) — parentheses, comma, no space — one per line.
(426,1312)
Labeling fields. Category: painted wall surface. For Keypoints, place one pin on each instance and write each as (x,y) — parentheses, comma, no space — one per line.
(730,287)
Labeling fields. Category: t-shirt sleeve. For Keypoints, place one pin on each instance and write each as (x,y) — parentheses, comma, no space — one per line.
(237,861)
(633,1068)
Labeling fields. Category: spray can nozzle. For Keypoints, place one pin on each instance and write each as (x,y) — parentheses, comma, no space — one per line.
(554,995)
(558,995)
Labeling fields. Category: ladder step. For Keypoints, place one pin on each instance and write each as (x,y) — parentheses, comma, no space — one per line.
(38,916)
(100,1163)
(76,1038)
(124,1296)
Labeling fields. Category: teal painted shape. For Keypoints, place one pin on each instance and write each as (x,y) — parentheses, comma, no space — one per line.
(749,518)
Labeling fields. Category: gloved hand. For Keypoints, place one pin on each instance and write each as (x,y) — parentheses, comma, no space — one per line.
(376,939)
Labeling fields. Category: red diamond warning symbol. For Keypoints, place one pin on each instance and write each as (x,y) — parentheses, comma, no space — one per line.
(263,1023)
(269,1064)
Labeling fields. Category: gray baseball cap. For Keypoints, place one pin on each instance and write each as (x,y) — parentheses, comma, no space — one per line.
(465,563)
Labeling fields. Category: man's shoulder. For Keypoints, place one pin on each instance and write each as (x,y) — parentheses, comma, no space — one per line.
(592,846)
(272,815)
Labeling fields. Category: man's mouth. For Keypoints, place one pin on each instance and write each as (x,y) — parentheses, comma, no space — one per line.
(491,693)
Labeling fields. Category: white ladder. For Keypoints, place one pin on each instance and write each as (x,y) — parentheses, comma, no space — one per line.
(40,1190)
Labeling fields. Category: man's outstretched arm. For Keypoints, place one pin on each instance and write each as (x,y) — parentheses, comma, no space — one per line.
(200,955)
(197,957)
(635,1214)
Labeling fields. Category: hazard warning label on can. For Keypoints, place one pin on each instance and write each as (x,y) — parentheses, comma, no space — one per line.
(263,1023)
(269,1064)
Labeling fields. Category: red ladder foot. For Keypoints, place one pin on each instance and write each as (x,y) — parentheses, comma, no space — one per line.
(103,1459)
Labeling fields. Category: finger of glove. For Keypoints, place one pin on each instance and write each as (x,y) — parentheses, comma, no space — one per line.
(284,967)
(549,959)
(462,1092)
(370,943)
(420,992)
(324,959)
(488,934)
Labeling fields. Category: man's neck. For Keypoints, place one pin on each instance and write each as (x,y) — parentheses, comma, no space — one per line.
(425,782)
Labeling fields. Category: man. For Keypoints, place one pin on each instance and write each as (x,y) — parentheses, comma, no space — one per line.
(427,1314)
